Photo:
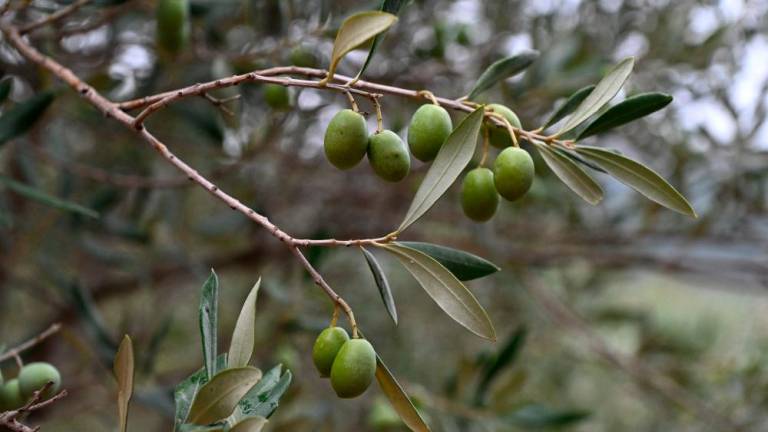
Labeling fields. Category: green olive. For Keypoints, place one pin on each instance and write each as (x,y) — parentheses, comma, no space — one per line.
(303,57)
(430,126)
(513,173)
(498,135)
(277,96)
(353,369)
(478,195)
(327,345)
(388,156)
(172,24)
(10,396)
(346,139)
(35,375)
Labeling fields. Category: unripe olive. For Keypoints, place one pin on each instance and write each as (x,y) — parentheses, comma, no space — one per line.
(303,57)
(172,24)
(478,195)
(10,396)
(513,173)
(277,96)
(346,139)
(499,136)
(388,156)
(327,345)
(353,369)
(35,375)
(430,126)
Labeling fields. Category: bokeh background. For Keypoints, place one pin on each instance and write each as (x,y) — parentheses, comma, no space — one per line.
(635,318)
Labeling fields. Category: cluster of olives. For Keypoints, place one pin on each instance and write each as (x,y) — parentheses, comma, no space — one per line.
(351,363)
(32,377)
(347,142)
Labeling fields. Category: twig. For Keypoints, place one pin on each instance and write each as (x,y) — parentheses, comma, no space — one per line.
(51,330)
(56,16)
(10,419)
(219,103)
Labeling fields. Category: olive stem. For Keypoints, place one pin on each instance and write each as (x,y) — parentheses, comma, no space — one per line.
(352,102)
(486,146)
(507,124)
(335,315)
(379,115)
(429,95)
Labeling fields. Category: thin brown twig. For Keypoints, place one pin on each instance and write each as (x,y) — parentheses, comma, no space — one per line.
(45,334)
(56,16)
(10,419)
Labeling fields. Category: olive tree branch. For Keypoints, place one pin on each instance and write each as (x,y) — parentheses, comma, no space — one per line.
(10,419)
(45,334)
(56,16)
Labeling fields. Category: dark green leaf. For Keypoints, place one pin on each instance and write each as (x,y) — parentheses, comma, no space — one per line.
(569,105)
(627,110)
(263,400)
(638,177)
(43,198)
(398,398)
(570,154)
(503,69)
(23,115)
(209,304)
(538,416)
(6,84)
(389,6)
(605,90)
(453,156)
(505,358)
(381,282)
(464,265)
(571,174)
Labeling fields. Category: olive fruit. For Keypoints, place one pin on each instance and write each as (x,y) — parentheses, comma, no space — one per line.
(353,369)
(388,156)
(430,126)
(346,139)
(35,375)
(303,57)
(478,195)
(327,345)
(277,96)
(498,135)
(10,396)
(513,173)
(172,24)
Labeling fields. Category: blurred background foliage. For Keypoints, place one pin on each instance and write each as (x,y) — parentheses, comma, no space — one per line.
(621,317)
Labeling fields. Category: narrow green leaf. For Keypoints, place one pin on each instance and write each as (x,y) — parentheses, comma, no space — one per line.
(6,84)
(23,115)
(570,154)
(262,401)
(123,369)
(381,282)
(217,398)
(629,109)
(501,70)
(506,357)
(569,105)
(447,291)
(209,304)
(464,265)
(43,198)
(244,335)
(249,424)
(389,6)
(354,31)
(571,174)
(638,177)
(185,391)
(605,90)
(398,398)
(453,156)
(538,417)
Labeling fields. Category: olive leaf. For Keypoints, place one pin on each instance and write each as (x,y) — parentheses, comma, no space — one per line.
(389,6)
(354,31)
(398,398)
(570,173)
(263,399)
(44,198)
(638,177)
(629,109)
(381,283)
(185,391)
(605,90)
(23,115)
(447,291)
(217,398)
(249,424)
(569,105)
(497,363)
(209,303)
(243,337)
(123,370)
(464,265)
(501,70)
(450,161)
(535,416)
